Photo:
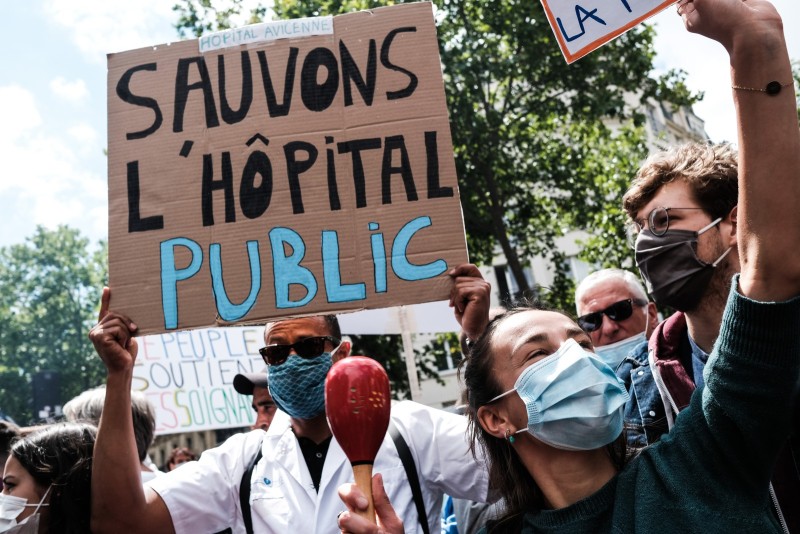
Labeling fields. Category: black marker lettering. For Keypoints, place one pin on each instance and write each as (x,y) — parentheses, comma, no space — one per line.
(182,89)
(295,167)
(316,96)
(350,73)
(228,115)
(135,221)
(275,109)
(124,93)
(412,78)
(396,142)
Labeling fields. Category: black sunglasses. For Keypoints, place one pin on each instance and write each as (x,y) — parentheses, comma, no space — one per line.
(619,311)
(308,348)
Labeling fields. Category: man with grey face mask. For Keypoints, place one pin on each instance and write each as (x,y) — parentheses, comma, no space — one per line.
(682,204)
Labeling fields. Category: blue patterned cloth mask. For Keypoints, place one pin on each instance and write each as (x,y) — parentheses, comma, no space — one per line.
(298,385)
(574,400)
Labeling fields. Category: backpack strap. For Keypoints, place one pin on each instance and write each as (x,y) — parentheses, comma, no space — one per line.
(244,492)
(411,472)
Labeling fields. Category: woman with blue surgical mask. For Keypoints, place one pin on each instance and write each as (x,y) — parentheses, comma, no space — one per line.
(547,412)
(47,481)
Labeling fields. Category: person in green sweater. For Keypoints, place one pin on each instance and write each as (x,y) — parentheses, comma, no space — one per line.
(549,412)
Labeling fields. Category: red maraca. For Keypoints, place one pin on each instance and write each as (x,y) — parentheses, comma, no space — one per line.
(357,403)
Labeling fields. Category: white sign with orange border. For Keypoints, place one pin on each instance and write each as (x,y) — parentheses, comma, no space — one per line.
(582,26)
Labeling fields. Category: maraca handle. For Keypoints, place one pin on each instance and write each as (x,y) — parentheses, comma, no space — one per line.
(363,478)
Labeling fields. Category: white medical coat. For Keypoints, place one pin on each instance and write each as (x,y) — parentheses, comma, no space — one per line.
(203,496)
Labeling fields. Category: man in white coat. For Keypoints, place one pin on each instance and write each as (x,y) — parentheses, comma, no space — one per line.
(293,486)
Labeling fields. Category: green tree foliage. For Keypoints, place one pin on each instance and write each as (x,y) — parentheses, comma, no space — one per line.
(50,291)
(388,350)
(527,129)
(195,17)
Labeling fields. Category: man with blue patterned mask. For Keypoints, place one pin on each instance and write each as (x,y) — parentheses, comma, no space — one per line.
(289,475)
(299,353)
(614,310)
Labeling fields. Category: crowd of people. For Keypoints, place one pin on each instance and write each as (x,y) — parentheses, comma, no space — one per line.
(611,420)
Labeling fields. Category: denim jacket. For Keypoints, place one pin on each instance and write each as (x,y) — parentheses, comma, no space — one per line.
(645,420)
(657,397)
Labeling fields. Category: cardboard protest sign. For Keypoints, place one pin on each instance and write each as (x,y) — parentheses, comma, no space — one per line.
(188,377)
(582,26)
(293,168)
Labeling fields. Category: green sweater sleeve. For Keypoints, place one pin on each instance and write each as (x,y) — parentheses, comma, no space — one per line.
(744,416)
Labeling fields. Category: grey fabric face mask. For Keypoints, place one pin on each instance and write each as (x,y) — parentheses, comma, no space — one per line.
(675,276)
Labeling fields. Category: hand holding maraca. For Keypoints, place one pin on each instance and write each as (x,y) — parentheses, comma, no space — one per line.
(350,522)
(357,402)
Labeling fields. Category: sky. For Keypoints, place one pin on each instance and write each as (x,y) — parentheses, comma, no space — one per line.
(53,99)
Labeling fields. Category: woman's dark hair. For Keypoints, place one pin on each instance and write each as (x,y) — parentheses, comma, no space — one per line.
(507,474)
(61,456)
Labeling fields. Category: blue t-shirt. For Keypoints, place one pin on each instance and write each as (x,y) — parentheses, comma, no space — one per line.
(699,359)
(449,525)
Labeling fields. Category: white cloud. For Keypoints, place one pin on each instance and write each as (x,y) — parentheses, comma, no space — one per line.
(72,91)
(707,65)
(18,108)
(44,180)
(85,140)
(99,27)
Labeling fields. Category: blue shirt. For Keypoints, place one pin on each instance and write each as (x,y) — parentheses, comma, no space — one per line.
(699,359)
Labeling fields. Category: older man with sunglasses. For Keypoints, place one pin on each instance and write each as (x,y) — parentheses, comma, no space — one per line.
(293,470)
(614,310)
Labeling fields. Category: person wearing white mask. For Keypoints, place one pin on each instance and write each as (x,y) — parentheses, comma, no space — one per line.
(293,469)
(47,481)
(614,310)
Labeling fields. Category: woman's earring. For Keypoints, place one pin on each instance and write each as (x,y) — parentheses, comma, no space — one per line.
(509,436)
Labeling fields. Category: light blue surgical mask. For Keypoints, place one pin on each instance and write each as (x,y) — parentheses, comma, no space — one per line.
(574,400)
(298,385)
(614,353)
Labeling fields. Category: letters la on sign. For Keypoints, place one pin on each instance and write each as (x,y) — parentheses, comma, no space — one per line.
(282,177)
(582,26)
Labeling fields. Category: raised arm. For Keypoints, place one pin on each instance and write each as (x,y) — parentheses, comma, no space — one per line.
(469,299)
(119,502)
(769,140)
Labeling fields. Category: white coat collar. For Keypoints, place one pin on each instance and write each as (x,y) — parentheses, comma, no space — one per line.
(281,446)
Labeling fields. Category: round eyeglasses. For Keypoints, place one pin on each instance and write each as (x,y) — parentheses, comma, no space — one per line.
(658,220)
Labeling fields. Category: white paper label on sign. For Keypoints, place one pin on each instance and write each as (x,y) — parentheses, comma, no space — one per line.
(267,31)
(582,26)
